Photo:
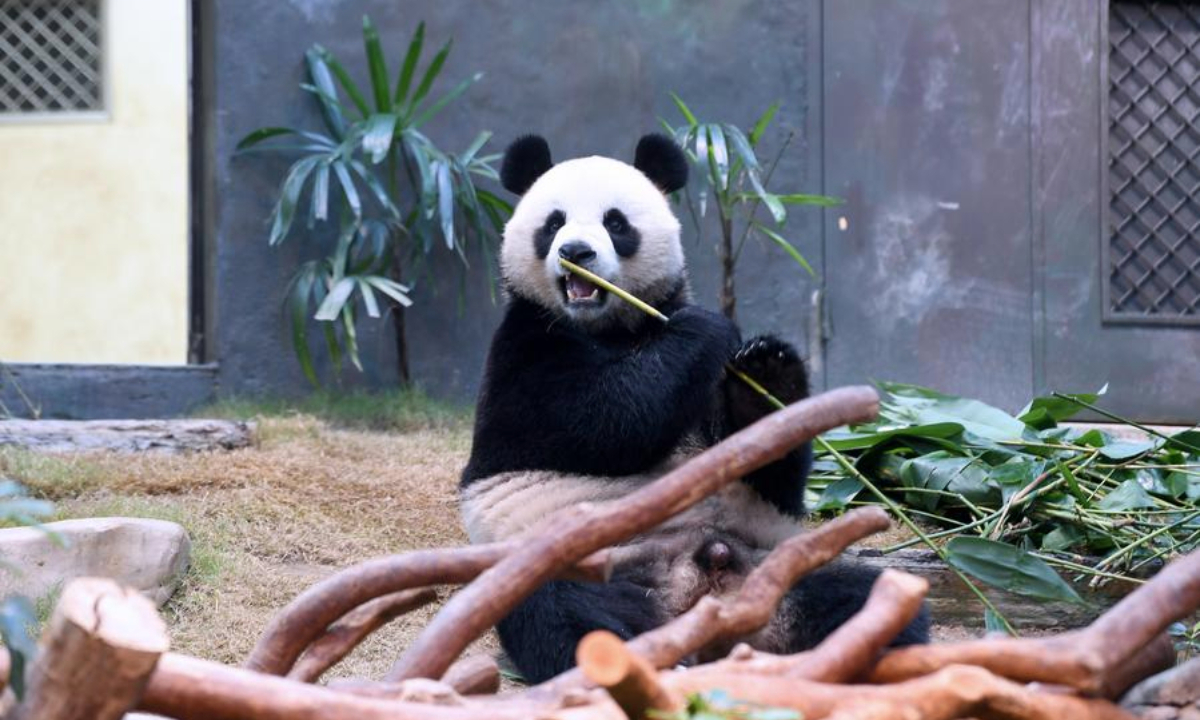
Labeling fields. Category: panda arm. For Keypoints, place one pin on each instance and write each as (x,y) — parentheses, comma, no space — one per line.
(558,399)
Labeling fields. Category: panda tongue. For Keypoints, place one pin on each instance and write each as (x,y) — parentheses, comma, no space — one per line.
(579,289)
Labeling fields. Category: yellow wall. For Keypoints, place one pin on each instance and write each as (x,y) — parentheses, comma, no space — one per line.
(94,214)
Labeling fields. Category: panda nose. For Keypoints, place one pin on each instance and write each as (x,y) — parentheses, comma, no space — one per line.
(576,251)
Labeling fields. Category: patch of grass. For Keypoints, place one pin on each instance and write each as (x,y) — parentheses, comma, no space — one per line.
(402,410)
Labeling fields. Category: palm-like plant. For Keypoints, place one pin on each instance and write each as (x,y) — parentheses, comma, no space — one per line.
(728,166)
(394,194)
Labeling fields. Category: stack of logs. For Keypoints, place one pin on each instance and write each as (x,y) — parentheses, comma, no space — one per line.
(105,650)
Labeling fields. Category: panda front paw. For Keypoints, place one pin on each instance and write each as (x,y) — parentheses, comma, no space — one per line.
(775,365)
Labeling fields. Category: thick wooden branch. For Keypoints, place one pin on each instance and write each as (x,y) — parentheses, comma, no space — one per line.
(1088,660)
(571,535)
(952,692)
(97,654)
(346,634)
(631,682)
(474,675)
(306,618)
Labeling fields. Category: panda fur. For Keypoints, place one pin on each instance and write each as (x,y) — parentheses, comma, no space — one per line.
(585,399)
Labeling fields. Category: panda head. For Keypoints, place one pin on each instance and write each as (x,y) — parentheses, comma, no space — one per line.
(607,216)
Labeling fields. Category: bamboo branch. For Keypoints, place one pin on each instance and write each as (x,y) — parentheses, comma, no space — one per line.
(346,634)
(305,619)
(574,533)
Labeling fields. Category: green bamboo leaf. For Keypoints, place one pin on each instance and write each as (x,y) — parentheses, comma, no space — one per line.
(377,136)
(376,66)
(787,246)
(803,199)
(318,141)
(410,64)
(431,73)
(718,154)
(369,300)
(685,111)
(444,100)
(336,300)
(319,201)
(1129,495)
(763,121)
(1046,412)
(17,617)
(348,190)
(1009,568)
(848,440)
(289,197)
(446,203)
(322,82)
(391,288)
(838,495)
(376,187)
(347,82)
(468,155)
(297,302)
(350,332)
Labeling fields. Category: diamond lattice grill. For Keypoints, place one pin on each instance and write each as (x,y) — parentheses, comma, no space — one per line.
(1154,160)
(50,56)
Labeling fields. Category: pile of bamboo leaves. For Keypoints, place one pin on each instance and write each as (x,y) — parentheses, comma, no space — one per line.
(1015,501)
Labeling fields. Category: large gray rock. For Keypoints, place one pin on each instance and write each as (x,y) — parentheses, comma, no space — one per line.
(149,555)
(1170,695)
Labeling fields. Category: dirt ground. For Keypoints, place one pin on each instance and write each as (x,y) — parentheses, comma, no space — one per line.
(309,498)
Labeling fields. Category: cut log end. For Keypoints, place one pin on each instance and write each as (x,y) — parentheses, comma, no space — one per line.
(603,658)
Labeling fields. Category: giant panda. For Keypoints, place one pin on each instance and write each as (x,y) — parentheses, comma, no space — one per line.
(585,398)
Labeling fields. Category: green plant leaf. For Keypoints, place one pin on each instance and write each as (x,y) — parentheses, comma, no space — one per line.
(1047,411)
(858,440)
(802,199)
(921,406)
(347,82)
(686,112)
(391,288)
(446,202)
(743,150)
(718,155)
(838,494)
(289,197)
(787,246)
(993,623)
(376,66)
(948,473)
(322,80)
(319,141)
(476,145)
(297,305)
(350,333)
(376,187)
(431,73)
(17,617)
(1126,449)
(444,100)
(349,191)
(404,81)
(372,305)
(1129,495)
(1009,568)
(319,200)
(336,300)
(763,121)
(377,136)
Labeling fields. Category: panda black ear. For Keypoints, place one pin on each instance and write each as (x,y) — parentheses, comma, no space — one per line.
(661,160)
(524,162)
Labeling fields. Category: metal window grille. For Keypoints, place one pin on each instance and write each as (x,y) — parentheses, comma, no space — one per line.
(1153,246)
(50,56)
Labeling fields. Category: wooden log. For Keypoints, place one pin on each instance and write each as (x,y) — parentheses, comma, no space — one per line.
(127,436)
(629,679)
(346,634)
(474,675)
(97,654)
(574,533)
(305,619)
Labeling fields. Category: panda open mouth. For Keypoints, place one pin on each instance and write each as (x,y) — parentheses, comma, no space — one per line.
(581,292)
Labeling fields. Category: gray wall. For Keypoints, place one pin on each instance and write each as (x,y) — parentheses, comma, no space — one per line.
(591,77)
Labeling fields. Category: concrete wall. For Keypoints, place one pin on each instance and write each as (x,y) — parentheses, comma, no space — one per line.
(94,239)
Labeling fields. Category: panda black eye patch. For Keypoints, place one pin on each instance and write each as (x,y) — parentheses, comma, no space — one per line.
(544,237)
(625,238)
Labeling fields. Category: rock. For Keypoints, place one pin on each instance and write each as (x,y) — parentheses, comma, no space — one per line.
(1170,695)
(149,555)
(165,436)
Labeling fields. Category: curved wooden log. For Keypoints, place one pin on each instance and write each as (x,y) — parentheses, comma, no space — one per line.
(306,618)
(474,675)
(572,534)
(346,634)
(1087,659)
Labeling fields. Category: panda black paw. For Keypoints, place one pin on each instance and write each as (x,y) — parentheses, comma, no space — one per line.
(775,365)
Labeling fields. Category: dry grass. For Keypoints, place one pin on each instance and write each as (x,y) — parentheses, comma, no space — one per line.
(268,521)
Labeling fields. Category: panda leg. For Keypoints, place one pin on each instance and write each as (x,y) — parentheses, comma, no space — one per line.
(826,598)
(777,366)
(540,635)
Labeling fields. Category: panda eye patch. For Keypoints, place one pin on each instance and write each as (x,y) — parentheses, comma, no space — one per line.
(615,222)
(544,237)
(555,221)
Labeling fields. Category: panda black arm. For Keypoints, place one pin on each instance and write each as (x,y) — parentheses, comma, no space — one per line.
(557,399)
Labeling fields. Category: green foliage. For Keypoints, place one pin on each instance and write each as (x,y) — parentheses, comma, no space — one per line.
(18,616)
(727,164)
(1021,496)
(394,195)
(718,705)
